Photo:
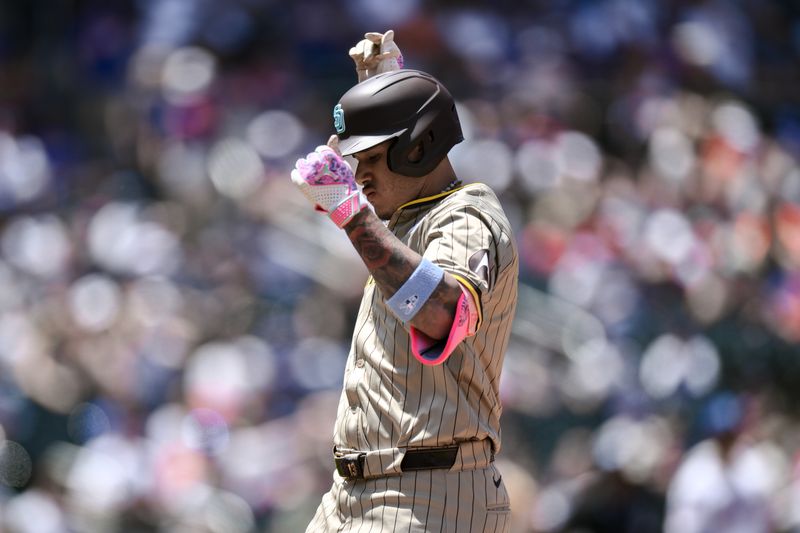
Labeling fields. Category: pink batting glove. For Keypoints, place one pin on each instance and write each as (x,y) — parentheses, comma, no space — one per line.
(327,180)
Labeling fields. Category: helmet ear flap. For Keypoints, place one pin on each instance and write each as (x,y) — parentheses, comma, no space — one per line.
(421,136)
(417,152)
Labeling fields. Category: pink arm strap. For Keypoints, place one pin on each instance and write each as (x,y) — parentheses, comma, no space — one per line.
(430,351)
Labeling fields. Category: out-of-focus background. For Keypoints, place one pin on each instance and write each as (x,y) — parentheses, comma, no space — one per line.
(174,318)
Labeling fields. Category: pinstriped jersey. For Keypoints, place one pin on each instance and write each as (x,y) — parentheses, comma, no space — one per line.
(389,399)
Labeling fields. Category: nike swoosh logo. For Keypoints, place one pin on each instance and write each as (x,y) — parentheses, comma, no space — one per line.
(484,262)
(497,481)
(479,264)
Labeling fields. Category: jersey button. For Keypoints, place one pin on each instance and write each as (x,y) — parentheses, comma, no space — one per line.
(360,363)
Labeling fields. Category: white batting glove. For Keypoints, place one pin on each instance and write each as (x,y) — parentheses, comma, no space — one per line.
(375,54)
(327,180)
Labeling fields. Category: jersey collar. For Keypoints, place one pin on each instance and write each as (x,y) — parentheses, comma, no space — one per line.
(414,205)
(420,202)
(427,199)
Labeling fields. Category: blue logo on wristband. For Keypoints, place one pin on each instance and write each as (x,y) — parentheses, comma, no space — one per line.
(338,118)
(410,304)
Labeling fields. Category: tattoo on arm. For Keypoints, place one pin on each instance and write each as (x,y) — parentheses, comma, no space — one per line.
(369,242)
(391,263)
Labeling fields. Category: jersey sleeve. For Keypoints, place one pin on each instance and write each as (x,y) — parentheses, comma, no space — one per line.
(461,242)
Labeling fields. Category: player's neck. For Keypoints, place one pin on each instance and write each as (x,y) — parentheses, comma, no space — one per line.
(442,179)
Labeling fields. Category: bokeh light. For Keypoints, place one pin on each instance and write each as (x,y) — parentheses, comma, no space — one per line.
(38,245)
(484,161)
(697,43)
(25,169)
(577,156)
(122,240)
(87,421)
(671,153)
(275,134)
(235,168)
(15,464)
(669,362)
(187,74)
(32,511)
(537,167)
(95,302)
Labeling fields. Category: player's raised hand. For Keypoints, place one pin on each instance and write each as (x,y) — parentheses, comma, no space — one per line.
(375,54)
(328,182)
(390,58)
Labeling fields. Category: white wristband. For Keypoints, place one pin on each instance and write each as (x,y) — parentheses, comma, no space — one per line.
(410,298)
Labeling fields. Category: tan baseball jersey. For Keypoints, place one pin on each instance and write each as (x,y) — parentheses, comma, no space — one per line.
(391,402)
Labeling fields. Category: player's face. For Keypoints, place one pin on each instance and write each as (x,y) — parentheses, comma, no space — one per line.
(385,190)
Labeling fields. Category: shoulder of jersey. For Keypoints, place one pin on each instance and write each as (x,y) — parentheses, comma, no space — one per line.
(476,190)
(480,196)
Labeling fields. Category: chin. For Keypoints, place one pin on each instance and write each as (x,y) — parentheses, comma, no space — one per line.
(382,212)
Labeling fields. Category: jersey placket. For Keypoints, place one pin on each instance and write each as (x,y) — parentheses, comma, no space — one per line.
(352,416)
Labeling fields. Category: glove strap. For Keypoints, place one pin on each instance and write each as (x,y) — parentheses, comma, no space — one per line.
(348,208)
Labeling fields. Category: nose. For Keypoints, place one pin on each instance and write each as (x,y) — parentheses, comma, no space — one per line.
(361,174)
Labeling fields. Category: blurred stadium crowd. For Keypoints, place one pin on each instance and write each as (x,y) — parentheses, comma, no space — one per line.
(174,320)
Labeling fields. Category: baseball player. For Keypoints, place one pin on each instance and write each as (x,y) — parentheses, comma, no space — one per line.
(418,423)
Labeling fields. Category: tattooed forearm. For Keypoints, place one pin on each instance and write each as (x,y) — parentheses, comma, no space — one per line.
(391,263)
(372,244)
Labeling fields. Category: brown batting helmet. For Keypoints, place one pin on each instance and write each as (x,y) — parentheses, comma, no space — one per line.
(406,105)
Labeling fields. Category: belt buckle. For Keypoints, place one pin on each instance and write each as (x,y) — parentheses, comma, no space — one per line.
(350,465)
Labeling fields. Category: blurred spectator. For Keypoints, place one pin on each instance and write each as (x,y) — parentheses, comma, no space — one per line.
(725,482)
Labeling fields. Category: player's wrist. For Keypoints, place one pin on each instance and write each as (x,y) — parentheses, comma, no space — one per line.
(357,217)
(348,209)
